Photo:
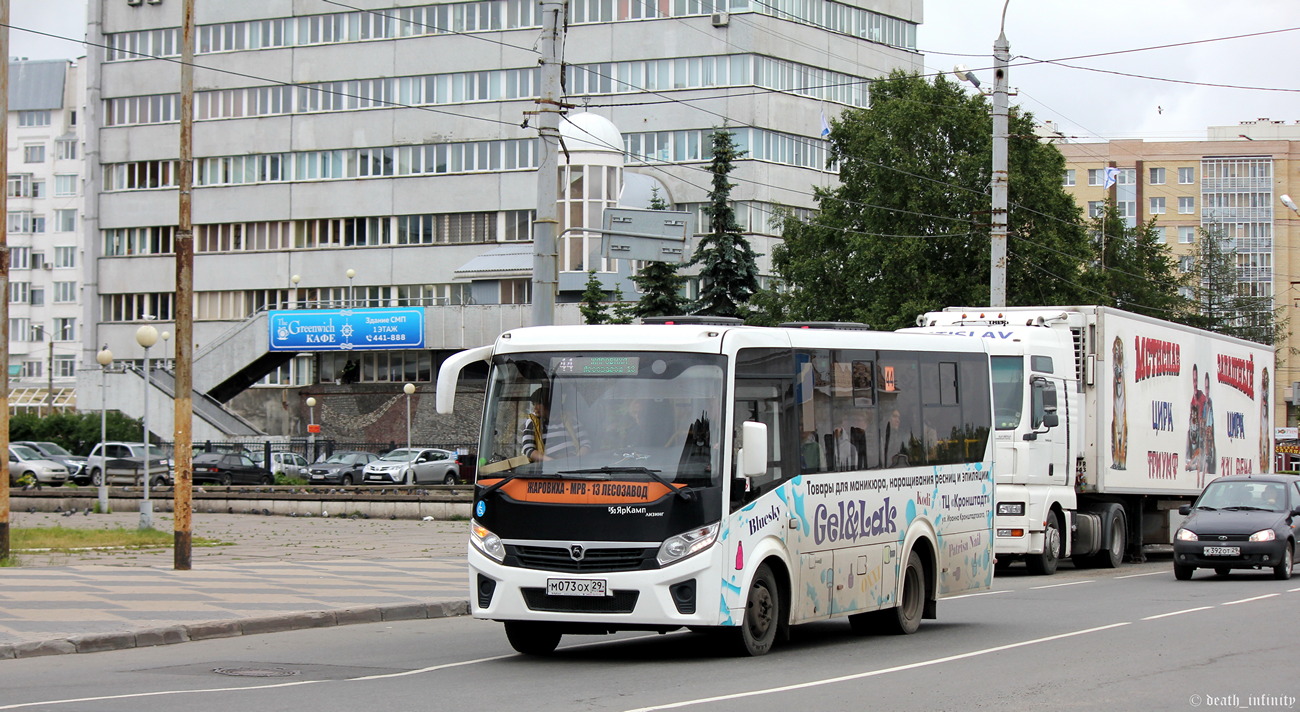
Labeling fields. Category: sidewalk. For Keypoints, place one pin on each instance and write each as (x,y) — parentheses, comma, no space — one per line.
(278,573)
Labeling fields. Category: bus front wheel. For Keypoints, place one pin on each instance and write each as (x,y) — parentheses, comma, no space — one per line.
(531,638)
(762,615)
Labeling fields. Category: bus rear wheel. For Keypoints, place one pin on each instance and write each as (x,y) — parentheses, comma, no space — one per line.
(529,638)
(906,618)
(758,630)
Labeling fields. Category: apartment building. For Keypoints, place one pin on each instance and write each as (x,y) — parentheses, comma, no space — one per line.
(44,199)
(378,153)
(1231,184)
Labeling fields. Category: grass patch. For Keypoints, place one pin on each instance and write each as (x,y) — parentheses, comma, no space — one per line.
(70,539)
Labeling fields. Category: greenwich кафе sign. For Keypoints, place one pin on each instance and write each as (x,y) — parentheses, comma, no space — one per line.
(346,329)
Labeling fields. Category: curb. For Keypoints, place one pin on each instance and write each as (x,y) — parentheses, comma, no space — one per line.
(168,635)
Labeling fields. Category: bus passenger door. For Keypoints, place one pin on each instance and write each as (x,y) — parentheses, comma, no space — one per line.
(812,595)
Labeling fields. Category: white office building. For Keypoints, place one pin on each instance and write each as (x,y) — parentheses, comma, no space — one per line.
(392,140)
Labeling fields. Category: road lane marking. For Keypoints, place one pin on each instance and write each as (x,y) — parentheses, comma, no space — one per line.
(1149,573)
(875,673)
(1248,600)
(1058,585)
(972,595)
(1178,613)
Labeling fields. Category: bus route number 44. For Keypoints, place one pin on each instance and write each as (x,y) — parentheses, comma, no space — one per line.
(576,587)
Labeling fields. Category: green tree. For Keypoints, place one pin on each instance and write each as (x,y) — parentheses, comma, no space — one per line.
(592,305)
(75,432)
(1221,296)
(1134,268)
(659,282)
(907,228)
(728,265)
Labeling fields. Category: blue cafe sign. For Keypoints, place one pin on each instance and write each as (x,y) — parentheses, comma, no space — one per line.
(346,329)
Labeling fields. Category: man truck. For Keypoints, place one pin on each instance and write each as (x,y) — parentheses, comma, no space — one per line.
(1106,422)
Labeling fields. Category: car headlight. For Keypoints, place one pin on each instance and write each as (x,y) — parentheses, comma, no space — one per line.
(1011,509)
(687,544)
(1186,535)
(1264,535)
(486,542)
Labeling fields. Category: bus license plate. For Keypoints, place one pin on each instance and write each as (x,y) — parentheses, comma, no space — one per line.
(1222,551)
(576,587)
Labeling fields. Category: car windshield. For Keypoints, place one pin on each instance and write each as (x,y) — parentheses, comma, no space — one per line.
(54,449)
(1244,494)
(346,458)
(155,451)
(402,455)
(25,452)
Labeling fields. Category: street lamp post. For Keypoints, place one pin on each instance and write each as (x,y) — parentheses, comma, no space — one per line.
(146,336)
(293,299)
(350,274)
(105,359)
(312,427)
(408,389)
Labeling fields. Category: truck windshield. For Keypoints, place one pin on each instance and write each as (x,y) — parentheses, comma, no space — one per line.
(610,415)
(1008,390)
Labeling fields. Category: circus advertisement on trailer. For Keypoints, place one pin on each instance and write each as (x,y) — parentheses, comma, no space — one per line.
(1184,410)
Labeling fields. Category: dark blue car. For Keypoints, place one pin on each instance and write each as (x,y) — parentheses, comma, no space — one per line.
(1240,522)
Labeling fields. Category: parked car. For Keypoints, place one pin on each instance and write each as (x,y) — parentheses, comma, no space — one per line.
(123,463)
(1240,522)
(289,464)
(344,467)
(24,461)
(228,468)
(76,464)
(411,466)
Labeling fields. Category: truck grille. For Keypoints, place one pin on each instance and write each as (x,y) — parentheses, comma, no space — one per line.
(594,560)
(620,602)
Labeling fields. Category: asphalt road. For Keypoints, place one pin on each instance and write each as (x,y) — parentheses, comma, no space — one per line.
(1125,639)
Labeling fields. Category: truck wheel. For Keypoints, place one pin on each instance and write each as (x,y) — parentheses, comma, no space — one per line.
(1183,572)
(906,618)
(1044,564)
(1282,571)
(757,631)
(531,638)
(1113,554)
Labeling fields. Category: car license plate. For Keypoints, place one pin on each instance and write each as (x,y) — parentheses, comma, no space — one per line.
(1222,551)
(318,477)
(576,587)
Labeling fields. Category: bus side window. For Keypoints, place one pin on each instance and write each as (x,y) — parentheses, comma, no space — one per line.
(764,393)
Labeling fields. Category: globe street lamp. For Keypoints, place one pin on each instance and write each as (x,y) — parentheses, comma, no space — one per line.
(293,302)
(312,427)
(146,336)
(105,359)
(350,274)
(408,389)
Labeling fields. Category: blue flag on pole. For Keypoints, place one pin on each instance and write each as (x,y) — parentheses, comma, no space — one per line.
(826,128)
(1112,175)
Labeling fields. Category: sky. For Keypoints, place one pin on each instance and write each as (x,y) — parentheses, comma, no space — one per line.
(1084,103)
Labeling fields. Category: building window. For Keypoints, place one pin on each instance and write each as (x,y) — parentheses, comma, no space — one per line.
(1096,208)
(19,185)
(65,329)
(65,366)
(1186,234)
(65,257)
(1127,176)
(38,296)
(1186,176)
(137,307)
(32,369)
(65,292)
(20,329)
(1186,205)
(1157,206)
(65,149)
(33,118)
(65,185)
(516,291)
(20,257)
(20,292)
(1157,176)
(34,153)
(1096,176)
(1069,177)
(65,220)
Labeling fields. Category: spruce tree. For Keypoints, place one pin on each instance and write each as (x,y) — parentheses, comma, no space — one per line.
(592,305)
(728,265)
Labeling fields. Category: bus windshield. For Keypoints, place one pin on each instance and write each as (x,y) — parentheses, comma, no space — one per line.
(605,415)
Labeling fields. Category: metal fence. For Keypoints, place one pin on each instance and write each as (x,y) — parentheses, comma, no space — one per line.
(260,449)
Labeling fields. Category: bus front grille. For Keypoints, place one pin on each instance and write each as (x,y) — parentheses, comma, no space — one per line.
(594,560)
(620,602)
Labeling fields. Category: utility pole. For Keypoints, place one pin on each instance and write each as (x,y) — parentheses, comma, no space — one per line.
(183,452)
(998,246)
(4,282)
(549,106)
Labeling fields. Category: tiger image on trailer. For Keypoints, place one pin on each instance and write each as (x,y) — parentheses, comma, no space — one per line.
(1119,414)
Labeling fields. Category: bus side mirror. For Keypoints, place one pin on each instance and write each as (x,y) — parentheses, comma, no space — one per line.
(753,449)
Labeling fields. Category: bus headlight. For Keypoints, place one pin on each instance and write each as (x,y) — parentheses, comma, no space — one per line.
(486,542)
(687,544)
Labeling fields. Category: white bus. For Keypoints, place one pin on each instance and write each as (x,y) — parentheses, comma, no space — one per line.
(734,479)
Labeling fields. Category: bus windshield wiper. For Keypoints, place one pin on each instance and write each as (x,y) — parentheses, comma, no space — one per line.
(683,492)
